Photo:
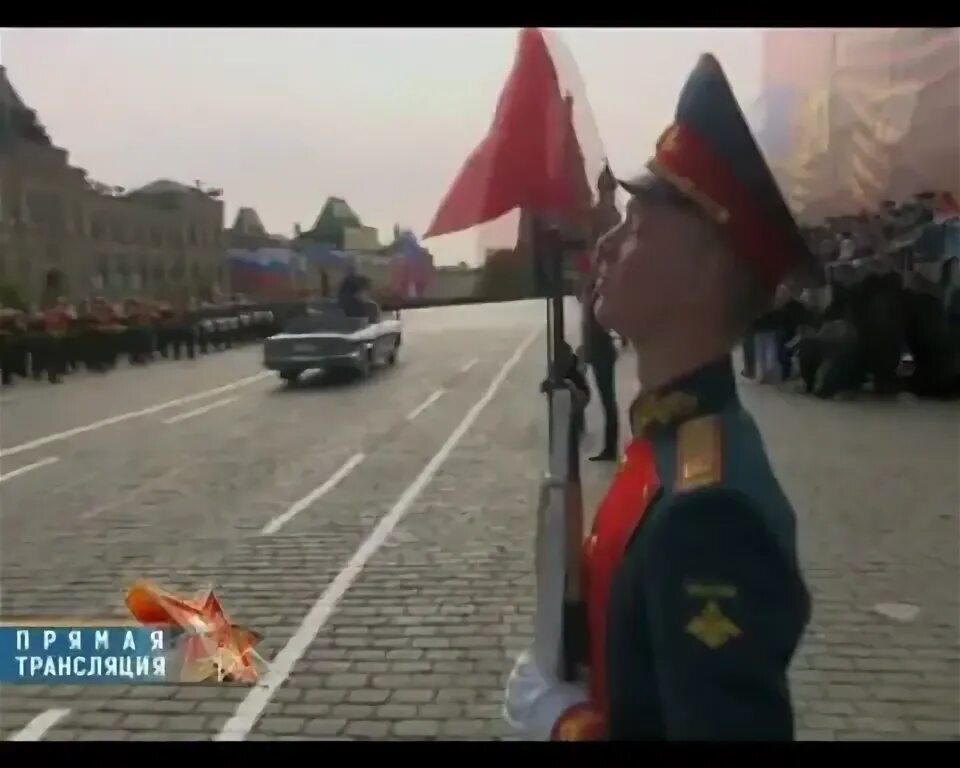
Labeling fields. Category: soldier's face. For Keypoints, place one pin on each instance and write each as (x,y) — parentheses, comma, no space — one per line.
(642,267)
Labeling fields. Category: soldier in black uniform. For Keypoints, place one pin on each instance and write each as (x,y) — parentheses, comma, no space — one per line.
(351,296)
(599,348)
(182,332)
(13,348)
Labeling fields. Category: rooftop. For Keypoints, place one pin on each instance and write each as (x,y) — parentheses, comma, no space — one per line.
(17,120)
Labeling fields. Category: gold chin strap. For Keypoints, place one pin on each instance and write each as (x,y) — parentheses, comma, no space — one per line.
(653,408)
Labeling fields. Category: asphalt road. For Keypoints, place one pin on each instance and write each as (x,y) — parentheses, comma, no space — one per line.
(378,534)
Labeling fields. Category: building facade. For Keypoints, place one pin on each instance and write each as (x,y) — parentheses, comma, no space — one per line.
(63,234)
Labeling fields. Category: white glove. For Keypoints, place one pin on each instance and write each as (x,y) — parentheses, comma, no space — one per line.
(533,701)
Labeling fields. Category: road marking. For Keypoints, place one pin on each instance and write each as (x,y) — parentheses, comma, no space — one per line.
(255,702)
(425,404)
(467,366)
(274,525)
(28,468)
(36,728)
(132,495)
(110,421)
(202,409)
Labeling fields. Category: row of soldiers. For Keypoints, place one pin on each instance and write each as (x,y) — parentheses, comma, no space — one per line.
(96,333)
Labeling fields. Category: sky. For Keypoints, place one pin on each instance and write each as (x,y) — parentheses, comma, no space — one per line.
(280,119)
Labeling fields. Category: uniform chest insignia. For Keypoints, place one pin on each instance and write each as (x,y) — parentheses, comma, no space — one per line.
(699,453)
(711,627)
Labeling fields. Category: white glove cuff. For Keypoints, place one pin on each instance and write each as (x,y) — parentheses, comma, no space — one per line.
(533,703)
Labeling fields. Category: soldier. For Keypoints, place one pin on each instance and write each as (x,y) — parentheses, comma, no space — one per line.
(599,349)
(140,331)
(352,296)
(182,331)
(13,348)
(881,323)
(106,333)
(70,342)
(695,598)
(56,323)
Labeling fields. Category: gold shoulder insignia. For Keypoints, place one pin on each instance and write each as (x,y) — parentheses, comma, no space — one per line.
(712,628)
(699,453)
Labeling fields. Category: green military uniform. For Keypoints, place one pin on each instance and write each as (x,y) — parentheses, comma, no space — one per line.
(708,603)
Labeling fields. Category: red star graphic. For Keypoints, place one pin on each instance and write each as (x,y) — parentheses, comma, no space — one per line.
(214,647)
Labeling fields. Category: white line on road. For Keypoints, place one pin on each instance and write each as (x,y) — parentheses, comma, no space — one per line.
(251,708)
(28,468)
(202,409)
(132,495)
(132,415)
(425,404)
(274,525)
(467,366)
(36,728)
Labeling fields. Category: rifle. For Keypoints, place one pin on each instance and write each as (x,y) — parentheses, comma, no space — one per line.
(560,511)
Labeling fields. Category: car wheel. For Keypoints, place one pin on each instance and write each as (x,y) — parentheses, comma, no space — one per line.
(290,376)
(392,357)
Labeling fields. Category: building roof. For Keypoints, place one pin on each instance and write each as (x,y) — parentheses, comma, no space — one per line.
(162,187)
(248,222)
(335,217)
(336,214)
(16,118)
(9,97)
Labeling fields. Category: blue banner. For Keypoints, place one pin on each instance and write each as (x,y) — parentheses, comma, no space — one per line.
(85,654)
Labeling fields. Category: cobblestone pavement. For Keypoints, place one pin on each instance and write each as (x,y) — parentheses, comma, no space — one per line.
(419,642)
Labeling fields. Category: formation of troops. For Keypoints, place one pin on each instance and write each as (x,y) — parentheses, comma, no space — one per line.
(97,333)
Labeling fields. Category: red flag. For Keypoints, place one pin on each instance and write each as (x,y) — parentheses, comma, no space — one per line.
(529,158)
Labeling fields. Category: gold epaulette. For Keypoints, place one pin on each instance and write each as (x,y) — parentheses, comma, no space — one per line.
(653,408)
(699,453)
